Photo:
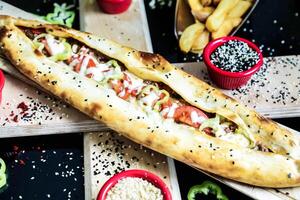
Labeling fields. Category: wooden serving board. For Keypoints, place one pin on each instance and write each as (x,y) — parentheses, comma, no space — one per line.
(47,113)
(274,91)
(107,153)
(74,121)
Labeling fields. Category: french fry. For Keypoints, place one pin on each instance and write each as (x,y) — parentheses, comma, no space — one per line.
(200,42)
(206,2)
(215,20)
(195,5)
(226,27)
(240,9)
(189,35)
(204,13)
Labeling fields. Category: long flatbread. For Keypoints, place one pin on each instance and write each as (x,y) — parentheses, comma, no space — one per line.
(236,142)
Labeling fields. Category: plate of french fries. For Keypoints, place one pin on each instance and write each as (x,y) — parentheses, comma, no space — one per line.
(199,21)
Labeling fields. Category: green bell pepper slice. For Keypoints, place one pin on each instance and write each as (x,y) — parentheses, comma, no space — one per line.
(2,173)
(61,15)
(205,188)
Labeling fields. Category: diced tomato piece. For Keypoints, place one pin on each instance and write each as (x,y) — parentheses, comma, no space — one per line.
(134,93)
(126,95)
(183,114)
(118,88)
(167,104)
(91,63)
(127,78)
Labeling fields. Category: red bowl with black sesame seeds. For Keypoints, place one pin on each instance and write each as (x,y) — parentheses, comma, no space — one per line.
(225,70)
(2,80)
(135,173)
(114,6)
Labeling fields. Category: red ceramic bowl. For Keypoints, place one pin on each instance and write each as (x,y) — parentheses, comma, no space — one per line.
(2,79)
(225,79)
(114,6)
(155,180)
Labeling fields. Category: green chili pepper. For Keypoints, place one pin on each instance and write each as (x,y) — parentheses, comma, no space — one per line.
(162,101)
(66,54)
(147,89)
(2,173)
(205,188)
(117,72)
(61,15)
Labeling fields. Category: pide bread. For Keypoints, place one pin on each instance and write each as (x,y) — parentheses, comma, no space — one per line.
(151,102)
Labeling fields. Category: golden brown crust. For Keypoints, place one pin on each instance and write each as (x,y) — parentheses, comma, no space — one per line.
(279,169)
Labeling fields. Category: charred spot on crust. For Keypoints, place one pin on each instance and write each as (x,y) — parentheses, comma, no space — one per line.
(28,72)
(148,142)
(37,52)
(94,109)
(150,57)
(3,32)
(63,95)
(154,61)
(263,119)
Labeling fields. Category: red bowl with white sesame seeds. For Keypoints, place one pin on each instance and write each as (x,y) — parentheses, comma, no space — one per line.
(2,80)
(114,6)
(230,79)
(136,173)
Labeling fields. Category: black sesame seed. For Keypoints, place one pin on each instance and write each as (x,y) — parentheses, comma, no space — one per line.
(234,56)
